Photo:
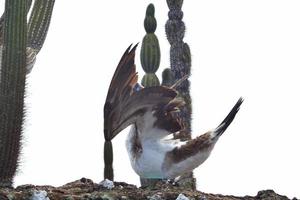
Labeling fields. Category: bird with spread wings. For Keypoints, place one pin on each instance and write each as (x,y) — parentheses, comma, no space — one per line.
(151,113)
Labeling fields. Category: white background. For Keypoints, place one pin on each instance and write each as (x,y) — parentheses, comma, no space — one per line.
(239,48)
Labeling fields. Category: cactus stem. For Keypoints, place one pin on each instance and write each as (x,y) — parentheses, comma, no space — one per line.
(12,88)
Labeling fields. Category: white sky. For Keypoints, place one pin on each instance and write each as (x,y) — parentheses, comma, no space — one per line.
(239,48)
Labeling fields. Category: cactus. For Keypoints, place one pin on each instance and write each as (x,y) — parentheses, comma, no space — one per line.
(150,80)
(150,51)
(38,26)
(37,29)
(180,59)
(108,160)
(39,23)
(108,157)
(29,2)
(150,23)
(12,88)
(167,77)
(17,54)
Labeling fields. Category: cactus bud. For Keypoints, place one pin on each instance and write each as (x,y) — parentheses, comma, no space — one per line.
(167,77)
(150,21)
(150,10)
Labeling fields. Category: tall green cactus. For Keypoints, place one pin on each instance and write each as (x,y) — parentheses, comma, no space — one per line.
(150,51)
(17,58)
(12,88)
(180,59)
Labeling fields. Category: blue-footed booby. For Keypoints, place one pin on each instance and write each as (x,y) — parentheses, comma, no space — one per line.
(151,113)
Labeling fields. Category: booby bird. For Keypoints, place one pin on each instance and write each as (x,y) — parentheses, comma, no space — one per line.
(151,114)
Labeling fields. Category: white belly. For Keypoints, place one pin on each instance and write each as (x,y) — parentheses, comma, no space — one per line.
(148,164)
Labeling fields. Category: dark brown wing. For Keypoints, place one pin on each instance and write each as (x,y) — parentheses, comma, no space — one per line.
(123,106)
(201,143)
(167,116)
(124,73)
(191,148)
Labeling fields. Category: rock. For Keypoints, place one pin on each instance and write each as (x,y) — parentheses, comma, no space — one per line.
(39,195)
(108,184)
(86,189)
(269,195)
(182,197)
(155,197)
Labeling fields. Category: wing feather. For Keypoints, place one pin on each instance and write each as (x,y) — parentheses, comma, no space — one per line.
(124,105)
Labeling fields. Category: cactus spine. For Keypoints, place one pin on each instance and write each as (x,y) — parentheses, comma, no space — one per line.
(150,51)
(180,59)
(12,88)
(16,60)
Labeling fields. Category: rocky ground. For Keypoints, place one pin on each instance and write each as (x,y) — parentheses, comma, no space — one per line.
(86,189)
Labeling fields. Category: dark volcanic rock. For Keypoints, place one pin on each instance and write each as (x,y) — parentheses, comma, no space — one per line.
(86,189)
